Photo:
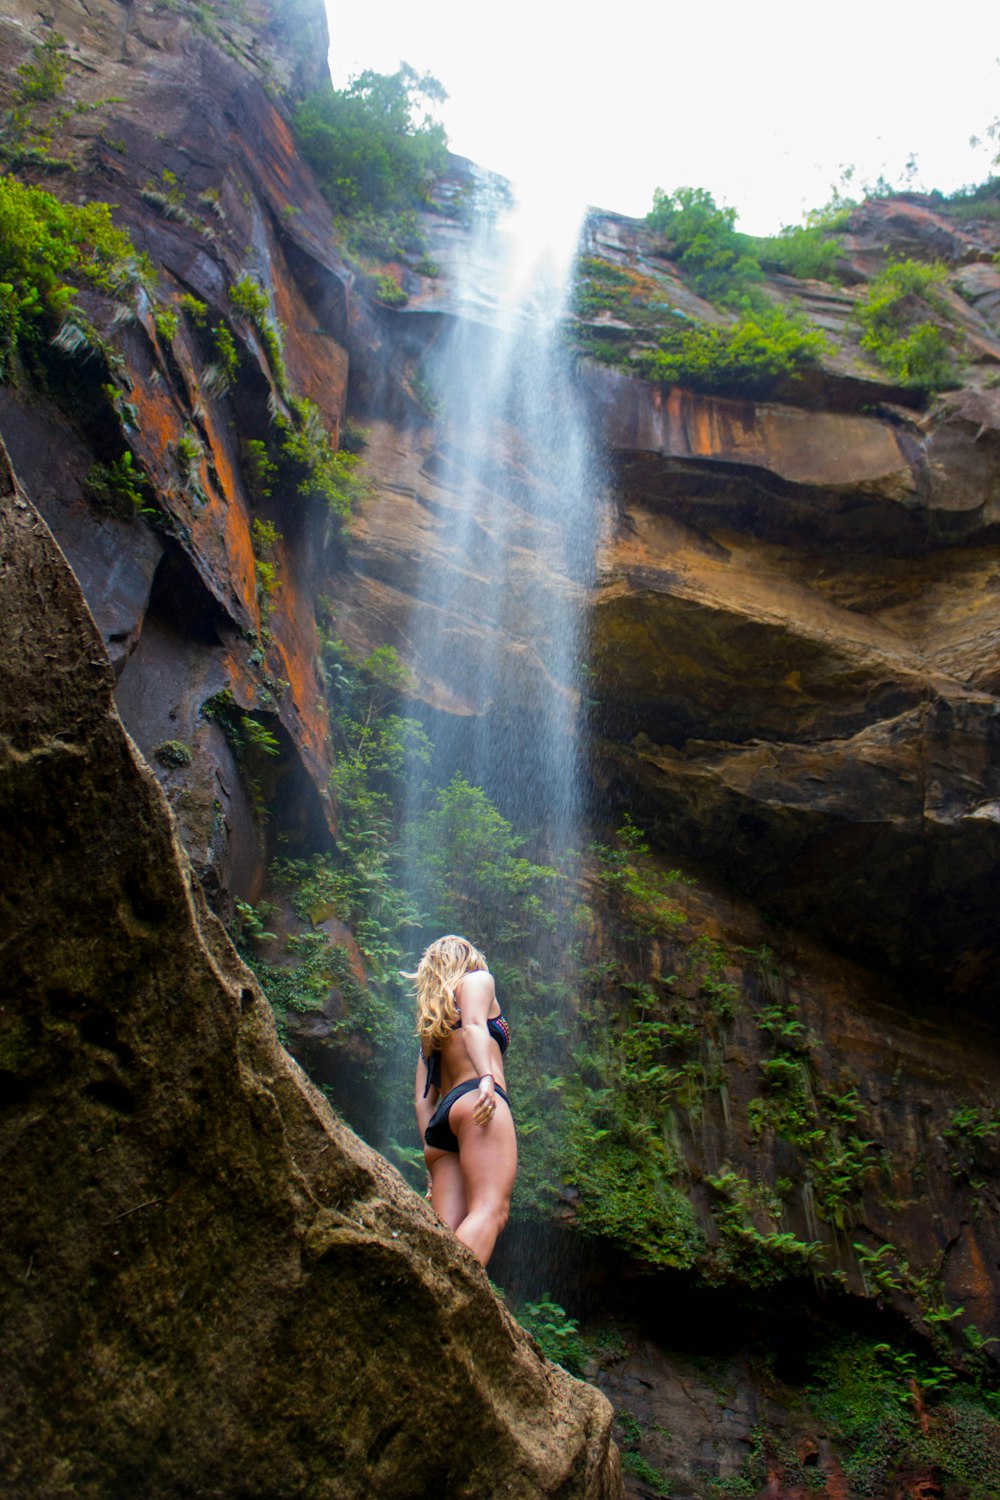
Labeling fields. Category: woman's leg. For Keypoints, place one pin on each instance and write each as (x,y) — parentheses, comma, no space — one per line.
(488,1158)
(447,1186)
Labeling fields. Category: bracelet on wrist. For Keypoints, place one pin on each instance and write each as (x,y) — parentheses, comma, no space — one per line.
(484,1077)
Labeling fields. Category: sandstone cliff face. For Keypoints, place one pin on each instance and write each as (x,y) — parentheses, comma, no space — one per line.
(186,139)
(211,1286)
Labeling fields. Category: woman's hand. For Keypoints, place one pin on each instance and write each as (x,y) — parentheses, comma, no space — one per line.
(486,1101)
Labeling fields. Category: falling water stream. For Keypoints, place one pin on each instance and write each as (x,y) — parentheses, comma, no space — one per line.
(497,636)
(498,639)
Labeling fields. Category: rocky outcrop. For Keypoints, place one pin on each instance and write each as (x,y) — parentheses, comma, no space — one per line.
(210,1284)
(798,658)
(178,121)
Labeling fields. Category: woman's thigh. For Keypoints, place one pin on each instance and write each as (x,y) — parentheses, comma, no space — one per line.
(487,1153)
(447,1187)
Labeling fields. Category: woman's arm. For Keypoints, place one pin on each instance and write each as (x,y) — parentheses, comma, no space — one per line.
(425,1105)
(478,993)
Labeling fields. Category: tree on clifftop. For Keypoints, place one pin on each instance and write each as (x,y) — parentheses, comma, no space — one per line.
(374,144)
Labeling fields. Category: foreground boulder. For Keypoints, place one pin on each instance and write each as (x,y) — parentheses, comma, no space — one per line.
(210,1285)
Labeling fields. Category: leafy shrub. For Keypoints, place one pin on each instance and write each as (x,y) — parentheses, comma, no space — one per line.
(42,79)
(250,300)
(48,251)
(221,374)
(634,1463)
(195,309)
(555,1333)
(167,321)
(265,538)
(317,469)
(896,329)
(642,891)
(468,867)
(373,144)
(807,251)
(388,290)
(702,238)
(751,356)
(24,138)
(119,488)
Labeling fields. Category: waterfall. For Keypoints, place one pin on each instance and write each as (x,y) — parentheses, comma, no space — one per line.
(496,640)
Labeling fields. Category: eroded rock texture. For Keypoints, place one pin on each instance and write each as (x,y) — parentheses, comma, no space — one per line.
(183,131)
(210,1285)
(798,624)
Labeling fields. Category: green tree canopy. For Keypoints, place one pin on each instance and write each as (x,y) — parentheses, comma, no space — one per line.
(704,241)
(374,144)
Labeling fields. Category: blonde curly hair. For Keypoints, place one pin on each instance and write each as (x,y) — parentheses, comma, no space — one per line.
(443,964)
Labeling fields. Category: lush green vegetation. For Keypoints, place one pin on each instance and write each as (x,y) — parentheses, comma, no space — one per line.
(763,345)
(376,150)
(50,251)
(725,266)
(902,316)
(894,1414)
(374,144)
(896,318)
(120,488)
(702,239)
(316,469)
(555,1333)
(751,356)
(807,251)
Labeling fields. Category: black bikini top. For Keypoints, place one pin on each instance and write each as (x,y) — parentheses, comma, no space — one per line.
(498,1029)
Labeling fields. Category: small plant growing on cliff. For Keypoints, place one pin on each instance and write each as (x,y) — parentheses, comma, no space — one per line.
(555,1333)
(24,139)
(250,300)
(193,308)
(265,538)
(896,328)
(168,198)
(628,874)
(387,289)
(218,376)
(119,488)
(188,457)
(167,321)
(320,471)
(173,754)
(258,469)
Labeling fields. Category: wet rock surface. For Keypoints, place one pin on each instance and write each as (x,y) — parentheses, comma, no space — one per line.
(210,1284)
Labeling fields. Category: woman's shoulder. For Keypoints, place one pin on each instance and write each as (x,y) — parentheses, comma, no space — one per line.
(478,984)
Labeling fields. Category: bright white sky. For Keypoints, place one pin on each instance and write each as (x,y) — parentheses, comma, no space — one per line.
(763,102)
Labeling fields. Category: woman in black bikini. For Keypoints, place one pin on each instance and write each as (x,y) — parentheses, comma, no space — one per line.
(462,1107)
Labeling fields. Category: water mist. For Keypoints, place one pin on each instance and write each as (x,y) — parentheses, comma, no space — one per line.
(496,640)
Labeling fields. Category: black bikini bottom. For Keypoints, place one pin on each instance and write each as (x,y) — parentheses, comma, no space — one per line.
(439,1133)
